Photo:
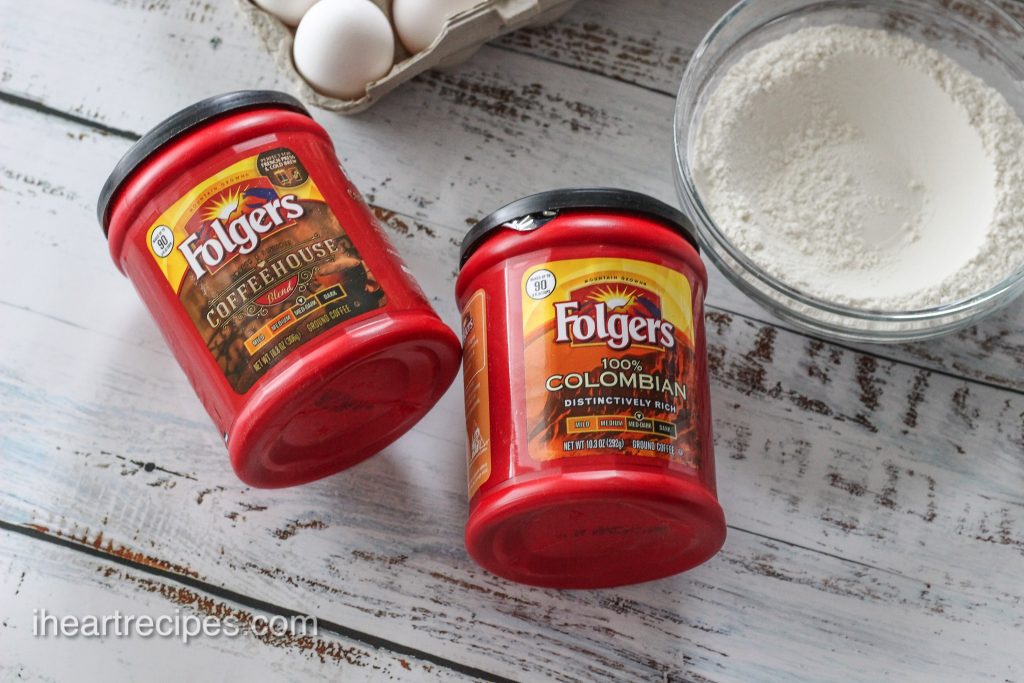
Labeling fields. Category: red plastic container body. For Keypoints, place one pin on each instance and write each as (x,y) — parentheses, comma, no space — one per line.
(338,389)
(598,515)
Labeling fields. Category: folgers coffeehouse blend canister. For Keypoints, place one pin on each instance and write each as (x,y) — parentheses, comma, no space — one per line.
(293,317)
(587,409)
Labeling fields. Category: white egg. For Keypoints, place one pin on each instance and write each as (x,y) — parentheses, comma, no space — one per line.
(288,11)
(419,22)
(342,45)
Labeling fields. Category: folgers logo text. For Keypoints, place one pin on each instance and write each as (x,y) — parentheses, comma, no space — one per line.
(619,317)
(234,223)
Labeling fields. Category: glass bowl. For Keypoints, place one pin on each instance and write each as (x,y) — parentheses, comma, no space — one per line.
(974,33)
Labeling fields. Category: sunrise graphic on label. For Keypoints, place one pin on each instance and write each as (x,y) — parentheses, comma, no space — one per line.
(609,361)
(260,263)
(617,317)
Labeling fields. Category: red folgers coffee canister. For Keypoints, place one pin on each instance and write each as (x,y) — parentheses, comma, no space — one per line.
(301,331)
(587,410)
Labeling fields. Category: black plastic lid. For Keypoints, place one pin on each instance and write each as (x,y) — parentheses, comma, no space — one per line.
(177,125)
(529,213)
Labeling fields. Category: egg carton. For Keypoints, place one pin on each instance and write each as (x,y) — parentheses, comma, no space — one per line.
(464,34)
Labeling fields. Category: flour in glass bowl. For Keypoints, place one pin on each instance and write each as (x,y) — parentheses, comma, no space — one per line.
(865,169)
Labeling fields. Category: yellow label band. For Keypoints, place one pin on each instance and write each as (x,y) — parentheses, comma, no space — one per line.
(260,263)
(609,360)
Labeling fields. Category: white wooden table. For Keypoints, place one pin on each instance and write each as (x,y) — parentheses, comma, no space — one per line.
(875,495)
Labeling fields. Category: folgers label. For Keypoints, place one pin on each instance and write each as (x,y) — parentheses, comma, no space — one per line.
(299,328)
(587,404)
(260,263)
(610,356)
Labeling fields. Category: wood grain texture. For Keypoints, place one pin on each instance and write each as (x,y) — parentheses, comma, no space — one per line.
(875,507)
(832,464)
(449,146)
(41,578)
(643,43)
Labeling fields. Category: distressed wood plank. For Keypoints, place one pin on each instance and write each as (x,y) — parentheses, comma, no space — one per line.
(832,464)
(39,576)
(503,125)
(645,43)
(139,470)
(379,547)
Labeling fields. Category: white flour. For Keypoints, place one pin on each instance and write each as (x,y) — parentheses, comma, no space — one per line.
(864,168)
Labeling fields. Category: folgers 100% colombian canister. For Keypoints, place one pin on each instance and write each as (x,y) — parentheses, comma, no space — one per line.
(587,410)
(297,324)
